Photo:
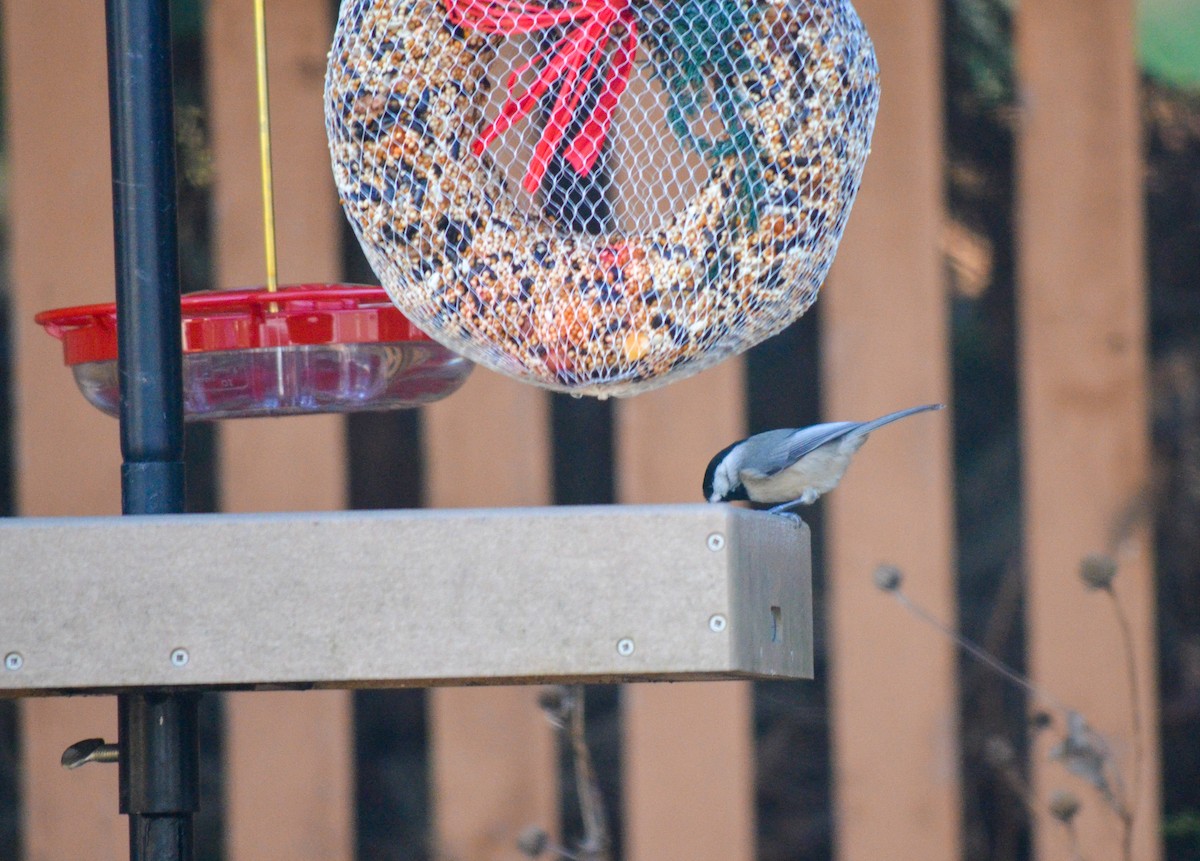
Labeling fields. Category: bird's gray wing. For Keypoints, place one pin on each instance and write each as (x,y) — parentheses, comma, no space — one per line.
(774,451)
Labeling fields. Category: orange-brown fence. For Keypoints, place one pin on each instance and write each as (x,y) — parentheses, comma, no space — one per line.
(687,760)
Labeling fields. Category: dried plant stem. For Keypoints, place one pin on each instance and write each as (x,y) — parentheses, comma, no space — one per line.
(1128,809)
(1073,836)
(980,654)
(1082,745)
(596,843)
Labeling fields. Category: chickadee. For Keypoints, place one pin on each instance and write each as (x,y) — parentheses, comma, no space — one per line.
(789,466)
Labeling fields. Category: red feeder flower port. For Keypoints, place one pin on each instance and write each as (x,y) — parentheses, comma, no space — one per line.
(314,348)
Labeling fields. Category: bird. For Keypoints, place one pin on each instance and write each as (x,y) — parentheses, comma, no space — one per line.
(791,466)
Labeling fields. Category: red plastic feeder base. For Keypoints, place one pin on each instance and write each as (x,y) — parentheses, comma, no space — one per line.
(314,348)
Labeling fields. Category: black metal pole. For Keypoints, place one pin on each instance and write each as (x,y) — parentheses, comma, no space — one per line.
(158,739)
(143,159)
(159,766)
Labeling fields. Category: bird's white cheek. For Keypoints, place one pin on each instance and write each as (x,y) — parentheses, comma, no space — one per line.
(724,482)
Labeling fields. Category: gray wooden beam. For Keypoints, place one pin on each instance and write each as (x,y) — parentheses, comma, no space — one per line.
(450,597)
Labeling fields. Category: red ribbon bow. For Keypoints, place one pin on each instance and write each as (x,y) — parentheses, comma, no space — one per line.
(572,62)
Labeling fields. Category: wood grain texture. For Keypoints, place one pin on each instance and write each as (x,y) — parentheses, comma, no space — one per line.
(1082,315)
(688,757)
(493,755)
(886,346)
(67,456)
(289,782)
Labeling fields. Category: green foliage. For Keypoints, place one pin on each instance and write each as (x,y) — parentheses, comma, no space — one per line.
(1181,831)
(1169,41)
(1183,825)
(980,48)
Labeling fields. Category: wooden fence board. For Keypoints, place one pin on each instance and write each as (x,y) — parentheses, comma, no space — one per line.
(1082,312)
(67,458)
(688,756)
(886,346)
(70,814)
(289,776)
(61,251)
(493,754)
(289,756)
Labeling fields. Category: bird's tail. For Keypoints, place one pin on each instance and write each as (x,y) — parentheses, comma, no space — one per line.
(866,427)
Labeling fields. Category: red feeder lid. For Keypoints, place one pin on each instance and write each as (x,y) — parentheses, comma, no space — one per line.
(305,314)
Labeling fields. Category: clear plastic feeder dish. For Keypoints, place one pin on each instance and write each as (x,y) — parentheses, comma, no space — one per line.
(306,349)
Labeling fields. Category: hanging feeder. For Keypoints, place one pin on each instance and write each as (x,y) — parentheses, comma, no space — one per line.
(301,349)
(312,348)
(709,150)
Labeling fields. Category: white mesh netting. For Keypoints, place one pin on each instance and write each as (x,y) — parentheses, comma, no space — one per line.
(600,196)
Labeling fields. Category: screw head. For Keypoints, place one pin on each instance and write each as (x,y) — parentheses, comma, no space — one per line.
(624,647)
(716,542)
(717,623)
(179,658)
(13,661)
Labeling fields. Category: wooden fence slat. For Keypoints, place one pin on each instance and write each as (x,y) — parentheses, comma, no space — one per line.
(688,769)
(61,250)
(67,456)
(885,344)
(1082,298)
(289,776)
(289,756)
(493,755)
(69,814)
(688,756)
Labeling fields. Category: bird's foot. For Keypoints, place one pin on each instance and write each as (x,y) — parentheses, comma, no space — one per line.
(781,508)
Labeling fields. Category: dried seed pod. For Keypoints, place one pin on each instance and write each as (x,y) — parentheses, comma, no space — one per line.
(1063,805)
(1098,571)
(888,578)
(533,841)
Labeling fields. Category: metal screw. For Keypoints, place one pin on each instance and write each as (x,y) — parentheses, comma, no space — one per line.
(716,542)
(625,647)
(717,623)
(13,661)
(179,658)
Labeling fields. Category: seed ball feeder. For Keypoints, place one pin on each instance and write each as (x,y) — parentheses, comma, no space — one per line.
(275,351)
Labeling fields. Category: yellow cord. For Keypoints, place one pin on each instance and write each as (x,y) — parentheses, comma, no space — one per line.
(264,142)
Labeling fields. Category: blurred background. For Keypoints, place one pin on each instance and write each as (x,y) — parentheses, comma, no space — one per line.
(1026,248)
